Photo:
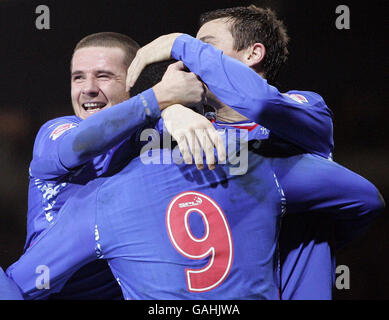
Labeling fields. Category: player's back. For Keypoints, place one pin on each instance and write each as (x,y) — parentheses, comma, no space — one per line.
(173,232)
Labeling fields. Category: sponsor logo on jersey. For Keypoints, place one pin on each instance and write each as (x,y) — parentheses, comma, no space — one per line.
(297,97)
(60,130)
(196,202)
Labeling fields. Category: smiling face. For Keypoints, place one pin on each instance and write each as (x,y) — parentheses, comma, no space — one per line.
(98,79)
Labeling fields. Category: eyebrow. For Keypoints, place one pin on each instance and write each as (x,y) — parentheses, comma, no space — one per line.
(74,73)
(78,72)
(207,38)
(106,71)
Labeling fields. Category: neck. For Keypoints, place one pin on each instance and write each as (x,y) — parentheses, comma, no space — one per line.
(224,113)
(229,115)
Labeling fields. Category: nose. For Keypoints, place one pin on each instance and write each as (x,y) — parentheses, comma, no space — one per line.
(90,87)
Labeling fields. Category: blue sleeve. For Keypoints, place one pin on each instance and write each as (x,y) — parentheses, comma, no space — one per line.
(314,184)
(55,154)
(45,162)
(56,254)
(8,288)
(301,118)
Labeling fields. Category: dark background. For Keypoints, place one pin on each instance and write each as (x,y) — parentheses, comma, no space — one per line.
(347,67)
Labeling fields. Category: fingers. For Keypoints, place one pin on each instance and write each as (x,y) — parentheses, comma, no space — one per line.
(134,70)
(184,148)
(157,50)
(191,146)
(195,135)
(195,149)
(218,143)
(178,66)
(199,142)
(208,145)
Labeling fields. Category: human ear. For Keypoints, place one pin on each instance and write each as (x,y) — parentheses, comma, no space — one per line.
(255,55)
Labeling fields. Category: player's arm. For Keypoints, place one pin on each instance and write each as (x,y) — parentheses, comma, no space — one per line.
(8,288)
(306,122)
(193,132)
(65,145)
(56,254)
(56,154)
(316,185)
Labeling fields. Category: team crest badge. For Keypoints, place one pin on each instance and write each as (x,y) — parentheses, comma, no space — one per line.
(297,97)
(60,130)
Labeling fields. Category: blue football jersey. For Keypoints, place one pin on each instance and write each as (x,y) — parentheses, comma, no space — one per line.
(307,257)
(173,232)
(305,111)
(299,117)
(294,98)
(51,183)
(8,288)
(69,152)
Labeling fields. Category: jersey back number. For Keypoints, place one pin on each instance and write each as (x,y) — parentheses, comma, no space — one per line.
(215,243)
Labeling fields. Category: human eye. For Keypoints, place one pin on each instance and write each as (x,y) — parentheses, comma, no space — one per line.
(77,77)
(104,76)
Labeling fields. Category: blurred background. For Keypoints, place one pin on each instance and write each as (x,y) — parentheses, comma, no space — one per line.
(349,68)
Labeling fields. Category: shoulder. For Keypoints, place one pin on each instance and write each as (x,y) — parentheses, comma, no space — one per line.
(53,123)
(56,127)
(50,131)
(306,97)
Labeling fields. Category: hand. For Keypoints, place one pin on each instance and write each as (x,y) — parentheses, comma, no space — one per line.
(194,133)
(157,50)
(179,87)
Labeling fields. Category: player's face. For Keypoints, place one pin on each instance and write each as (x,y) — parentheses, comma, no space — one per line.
(216,32)
(98,79)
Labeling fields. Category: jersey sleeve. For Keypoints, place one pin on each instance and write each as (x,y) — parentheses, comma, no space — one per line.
(301,118)
(45,159)
(8,288)
(315,185)
(63,146)
(56,254)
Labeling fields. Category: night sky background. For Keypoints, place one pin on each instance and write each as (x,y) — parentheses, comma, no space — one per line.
(349,68)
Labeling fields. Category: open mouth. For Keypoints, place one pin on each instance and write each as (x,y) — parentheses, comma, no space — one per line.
(92,107)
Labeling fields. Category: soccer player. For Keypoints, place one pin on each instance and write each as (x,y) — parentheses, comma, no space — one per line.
(309,115)
(255,37)
(241,56)
(72,150)
(186,234)
(64,127)
(189,234)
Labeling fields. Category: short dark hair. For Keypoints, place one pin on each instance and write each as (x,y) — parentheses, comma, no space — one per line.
(150,76)
(111,40)
(251,25)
